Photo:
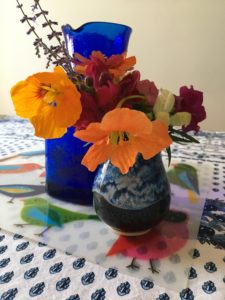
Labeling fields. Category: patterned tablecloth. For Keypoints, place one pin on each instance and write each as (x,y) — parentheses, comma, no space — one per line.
(32,269)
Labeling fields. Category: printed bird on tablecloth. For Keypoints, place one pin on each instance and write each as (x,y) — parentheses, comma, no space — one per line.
(162,241)
(28,154)
(21,190)
(19,168)
(38,211)
(186,177)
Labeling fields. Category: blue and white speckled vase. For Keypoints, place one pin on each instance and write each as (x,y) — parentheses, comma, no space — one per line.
(133,203)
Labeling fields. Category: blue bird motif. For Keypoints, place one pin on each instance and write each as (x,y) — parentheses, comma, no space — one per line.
(163,296)
(146,284)
(4,262)
(5,278)
(185,176)
(192,273)
(79,263)
(31,273)
(98,294)
(56,268)
(88,278)
(39,212)
(37,289)
(17,236)
(123,289)
(49,254)
(32,153)
(111,273)
(63,284)
(19,168)
(3,249)
(210,267)
(2,238)
(196,253)
(186,294)
(9,295)
(26,259)
(22,246)
(36,213)
(209,287)
(21,190)
(40,244)
(73,297)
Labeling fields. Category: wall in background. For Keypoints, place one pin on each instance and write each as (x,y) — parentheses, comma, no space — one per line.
(176,42)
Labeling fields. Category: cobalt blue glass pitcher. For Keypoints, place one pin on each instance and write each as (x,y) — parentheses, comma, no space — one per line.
(66,178)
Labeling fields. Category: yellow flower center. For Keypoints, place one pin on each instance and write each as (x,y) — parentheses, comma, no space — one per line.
(50,94)
(117,137)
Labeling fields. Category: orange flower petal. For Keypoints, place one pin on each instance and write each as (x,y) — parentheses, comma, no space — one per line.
(80,69)
(97,154)
(116,59)
(45,127)
(150,145)
(49,98)
(68,111)
(25,100)
(92,133)
(99,55)
(124,156)
(81,58)
(129,120)
(59,70)
(127,64)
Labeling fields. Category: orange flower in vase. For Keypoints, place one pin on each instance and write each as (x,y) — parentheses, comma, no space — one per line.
(121,135)
(50,100)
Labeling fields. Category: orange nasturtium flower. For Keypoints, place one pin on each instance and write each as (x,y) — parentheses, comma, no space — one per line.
(116,65)
(121,135)
(50,100)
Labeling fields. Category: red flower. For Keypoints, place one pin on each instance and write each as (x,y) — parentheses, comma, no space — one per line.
(90,111)
(190,100)
(128,84)
(97,105)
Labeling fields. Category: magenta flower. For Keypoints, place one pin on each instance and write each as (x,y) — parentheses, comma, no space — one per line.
(190,100)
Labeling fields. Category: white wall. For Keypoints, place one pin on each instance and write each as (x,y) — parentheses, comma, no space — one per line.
(176,42)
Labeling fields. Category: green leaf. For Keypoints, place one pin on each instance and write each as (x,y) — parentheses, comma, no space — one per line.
(179,140)
(168,150)
(190,138)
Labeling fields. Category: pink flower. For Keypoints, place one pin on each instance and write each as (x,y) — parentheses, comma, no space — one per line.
(148,89)
(190,100)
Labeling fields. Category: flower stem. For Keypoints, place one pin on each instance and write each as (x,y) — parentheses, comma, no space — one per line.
(123,100)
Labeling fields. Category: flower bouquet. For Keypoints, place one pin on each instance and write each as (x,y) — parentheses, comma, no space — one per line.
(120,117)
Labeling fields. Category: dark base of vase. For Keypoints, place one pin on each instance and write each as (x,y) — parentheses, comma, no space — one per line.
(131,221)
(75,196)
(119,232)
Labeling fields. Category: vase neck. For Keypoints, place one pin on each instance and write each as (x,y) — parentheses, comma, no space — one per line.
(109,38)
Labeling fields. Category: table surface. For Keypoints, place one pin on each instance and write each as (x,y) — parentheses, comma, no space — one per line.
(29,268)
